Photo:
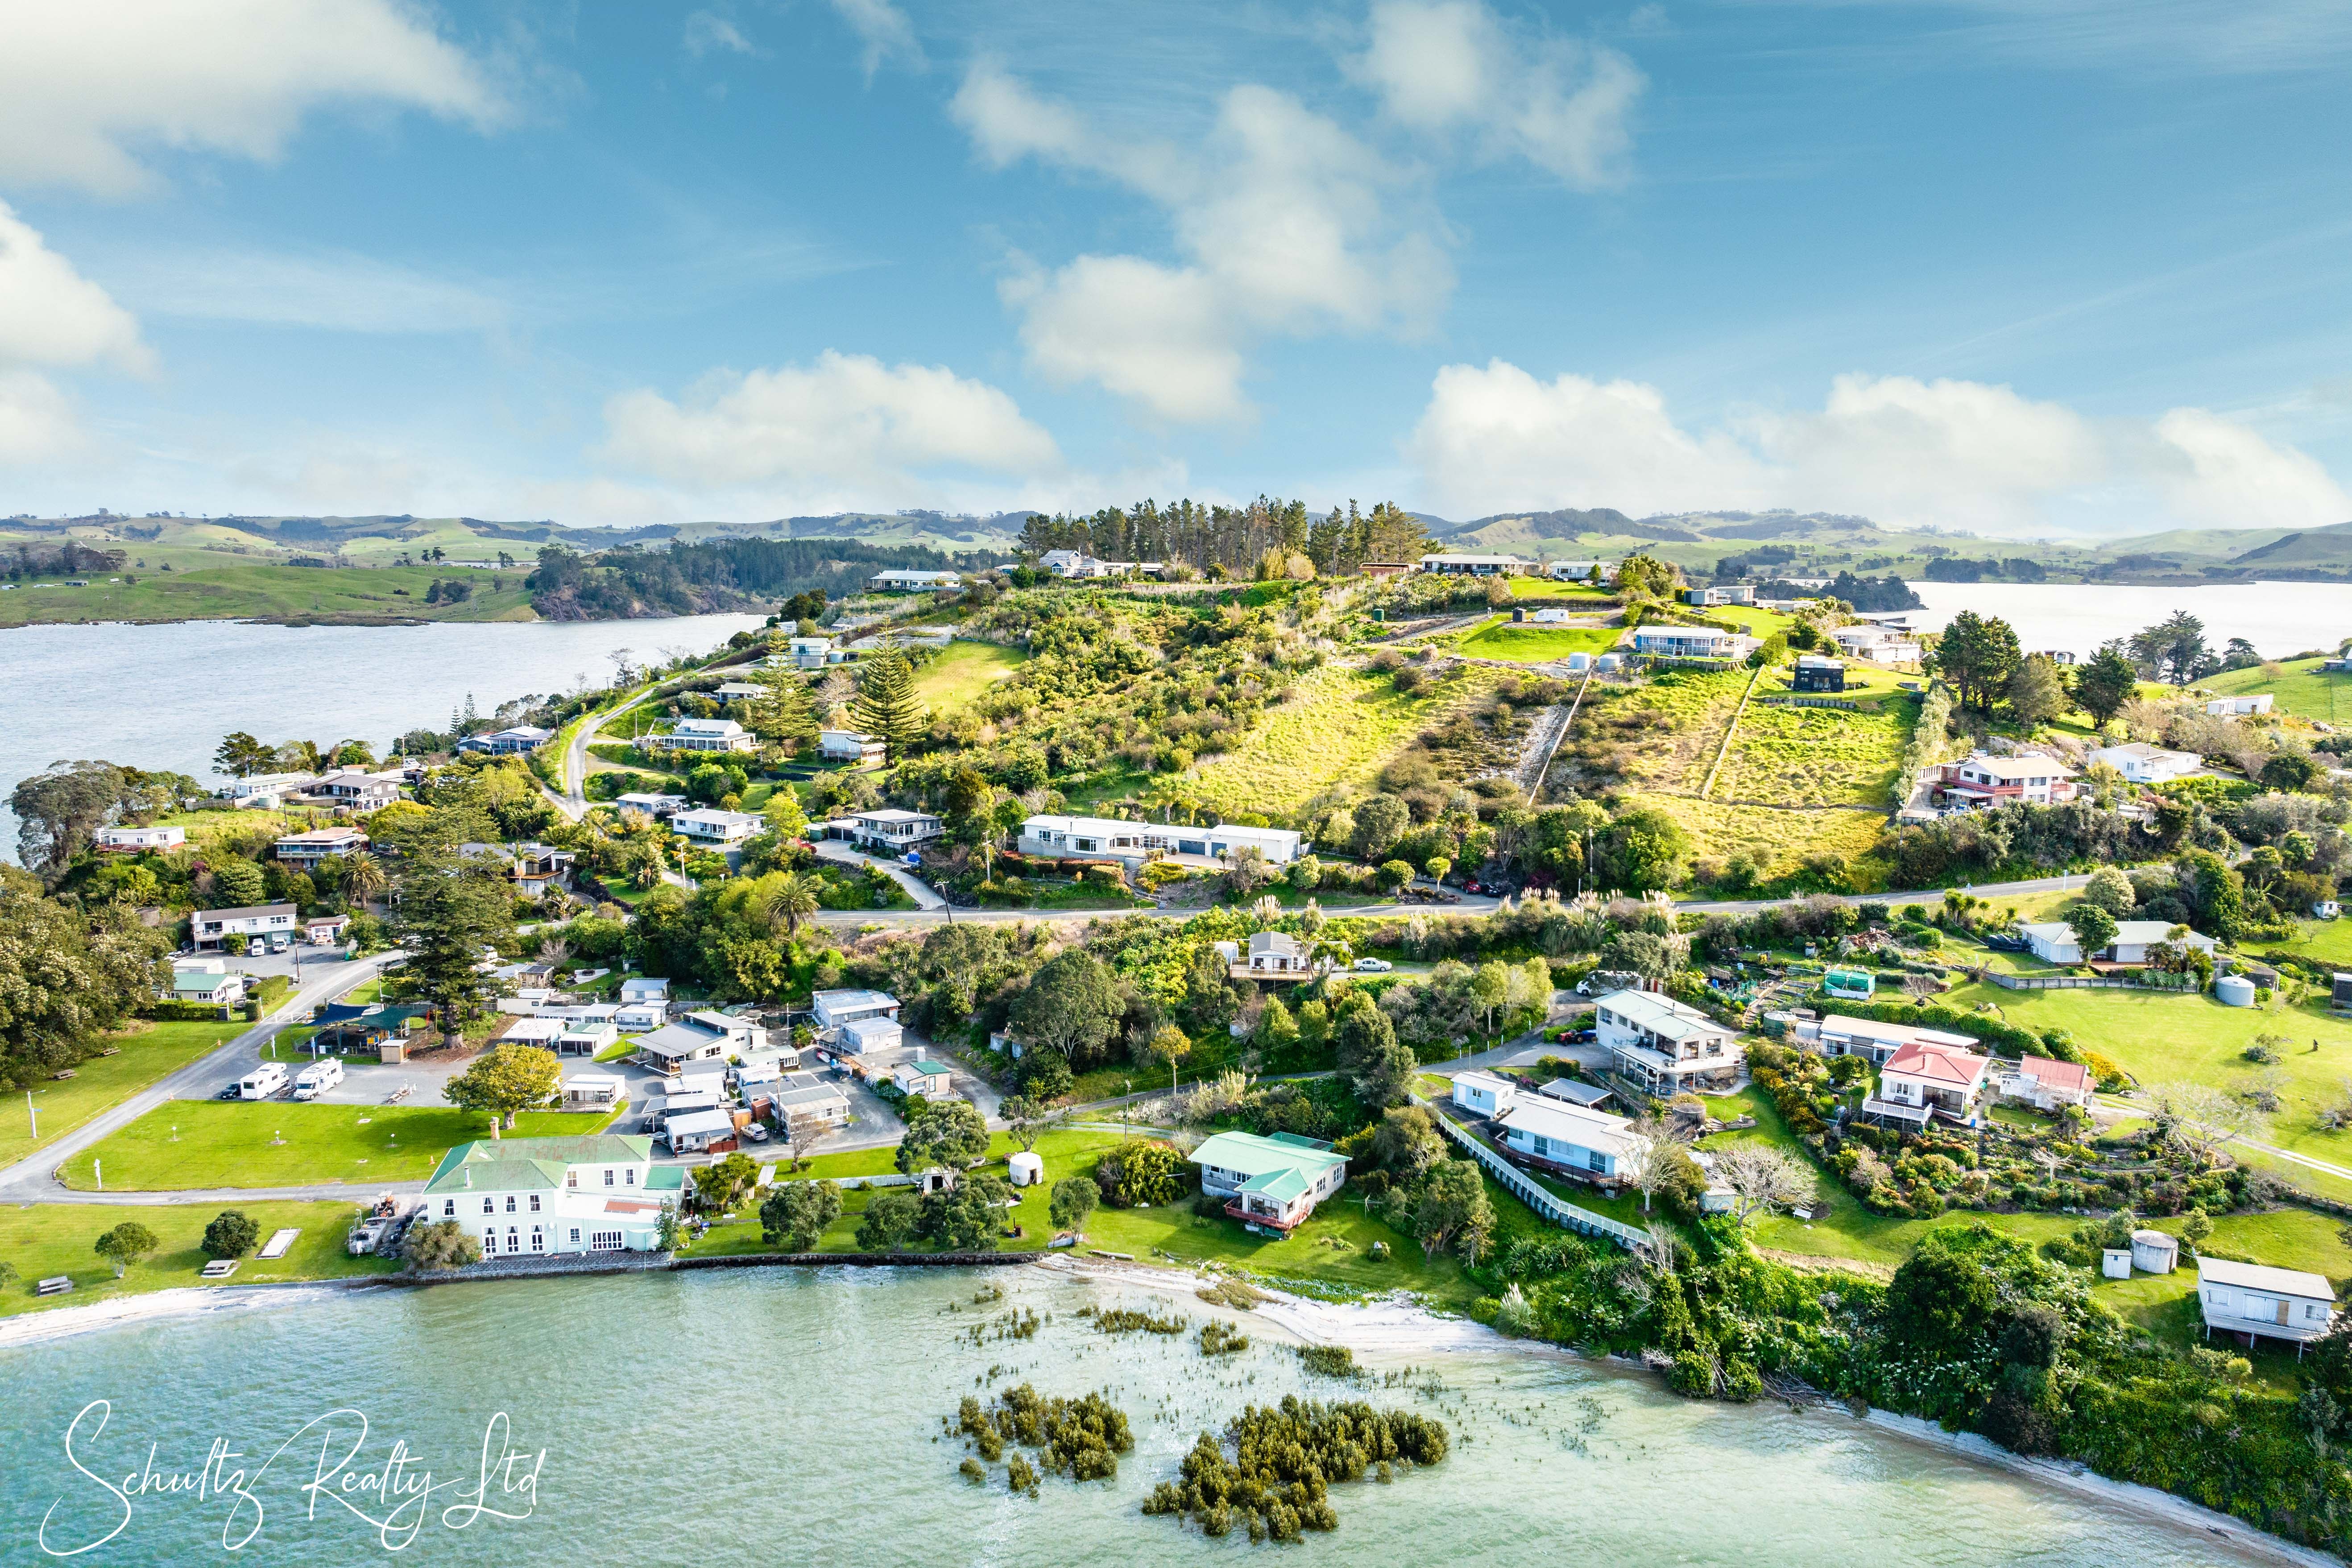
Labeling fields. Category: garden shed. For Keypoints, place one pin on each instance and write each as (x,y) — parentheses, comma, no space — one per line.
(1026,1169)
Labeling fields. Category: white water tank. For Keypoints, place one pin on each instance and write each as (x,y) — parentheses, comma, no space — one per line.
(2234,991)
(1027,1170)
(2153,1252)
(1606,662)
(1578,663)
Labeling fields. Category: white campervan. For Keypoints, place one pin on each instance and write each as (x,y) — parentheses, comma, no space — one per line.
(262,1081)
(318,1077)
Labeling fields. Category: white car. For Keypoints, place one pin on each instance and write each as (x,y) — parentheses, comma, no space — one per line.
(1372,966)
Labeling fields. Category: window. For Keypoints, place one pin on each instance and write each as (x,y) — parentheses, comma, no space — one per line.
(510,1203)
(608,1177)
(575,1235)
(489,1207)
(534,1203)
(448,1207)
(606,1241)
(514,1242)
(1595,1160)
(630,1177)
(538,1241)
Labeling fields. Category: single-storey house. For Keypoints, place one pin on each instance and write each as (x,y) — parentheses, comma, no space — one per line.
(2239,707)
(1591,1145)
(922,1077)
(2045,1084)
(306,850)
(645,988)
(898,580)
(851,746)
(1271,955)
(1272,1184)
(2140,762)
(507,743)
(640,803)
(2256,1299)
(699,1132)
(206,983)
(1483,1093)
(125,840)
(1839,1035)
(1112,838)
(586,1038)
(1665,1046)
(1922,1081)
(541,1032)
(1721,593)
(705,735)
(263,792)
(865,1037)
(1471,564)
(273,922)
(2054,941)
(326,931)
(799,1096)
(520,1196)
(1815,673)
(1693,642)
(696,1038)
(738,691)
(1576,1091)
(593,1092)
(711,826)
(835,1008)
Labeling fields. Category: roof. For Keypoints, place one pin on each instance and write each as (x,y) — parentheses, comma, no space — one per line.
(1486,1080)
(1274,942)
(893,814)
(842,1000)
(1576,1091)
(1280,1186)
(1662,1016)
(2017,767)
(928,1068)
(1595,1130)
(2057,1075)
(862,1027)
(694,1122)
(707,727)
(1254,1156)
(2139,933)
(665,1179)
(324,835)
(677,1039)
(248,912)
(2154,1239)
(1939,1063)
(2262,1276)
(2144,752)
(515,1164)
(1474,559)
(1879,1032)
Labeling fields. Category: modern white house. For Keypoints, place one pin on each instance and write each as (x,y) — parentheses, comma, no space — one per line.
(705,735)
(2239,707)
(1133,843)
(123,840)
(533,1196)
(2140,762)
(889,830)
(1982,781)
(1839,1035)
(1693,642)
(1589,1145)
(642,1016)
(1270,1184)
(645,988)
(835,1008)
(738,691)
(508,743)
(1920,1082)
(851,746)
(658,808)
(2255,1301)
(359,788)
(1484,1093)
(264,792)
(922,1077)
(270,922)
(306,850)
(2044,1084)
(1875,644)
(696,1038)
(1473,565)
(2054,941)
(807,653)
(1721,593)
(904,581)
(1269,956)
(870,1036)
(711,826)
(1664,1046)
(585,1037)
(594,1091)
(1078,563)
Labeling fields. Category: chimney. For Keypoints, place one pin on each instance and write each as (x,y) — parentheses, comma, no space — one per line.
(469,1176)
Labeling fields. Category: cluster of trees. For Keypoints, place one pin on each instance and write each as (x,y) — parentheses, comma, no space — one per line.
(60,809)
(718,574)
(26,559)
(69,974)
(1231,540)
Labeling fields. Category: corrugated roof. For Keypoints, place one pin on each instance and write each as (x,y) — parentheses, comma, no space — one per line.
(1846,1026)
(514,1164)
(1254,1156)
(2057,1075)
(1555,1118)
(1662,1016)
(1939,1063)
(2262,1276)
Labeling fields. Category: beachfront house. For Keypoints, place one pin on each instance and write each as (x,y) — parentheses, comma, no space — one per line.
(263,792)
(1571,1140)
(273,923)
(2255,1301)
(2140,762)
(1270,1184)
(1664,1046)
(2055,942)
(1133,843)
(1923,1081)
(126,840)
(525,1197)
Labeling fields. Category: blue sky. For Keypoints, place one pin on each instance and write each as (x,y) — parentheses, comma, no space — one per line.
(2015,266)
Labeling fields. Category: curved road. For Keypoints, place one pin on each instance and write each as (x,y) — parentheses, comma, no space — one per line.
(573,800)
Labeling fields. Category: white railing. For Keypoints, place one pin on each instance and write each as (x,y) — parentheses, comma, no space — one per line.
(1541,1199)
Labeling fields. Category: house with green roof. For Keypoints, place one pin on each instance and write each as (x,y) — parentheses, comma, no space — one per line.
(1272,1184)
(923,1077)
(537,1196)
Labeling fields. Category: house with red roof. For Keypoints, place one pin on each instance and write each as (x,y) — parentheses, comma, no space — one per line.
(2046,1085)
(1923,1080)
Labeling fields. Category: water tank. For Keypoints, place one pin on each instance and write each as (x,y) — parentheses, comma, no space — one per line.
(2234,991)
(2153,1252)
(1578,663)
(1607,662)
(1026,1170)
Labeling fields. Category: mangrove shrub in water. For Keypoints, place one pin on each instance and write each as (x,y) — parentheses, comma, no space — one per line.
(1283,1460)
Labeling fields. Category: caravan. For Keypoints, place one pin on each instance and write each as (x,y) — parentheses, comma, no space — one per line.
(318,1077)
(262,1081)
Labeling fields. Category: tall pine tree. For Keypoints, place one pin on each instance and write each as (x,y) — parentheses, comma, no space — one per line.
(781,714)
(887,707)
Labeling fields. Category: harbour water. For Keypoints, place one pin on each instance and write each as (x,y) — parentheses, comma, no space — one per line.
(792,1415)
(161,697)
(2279,618)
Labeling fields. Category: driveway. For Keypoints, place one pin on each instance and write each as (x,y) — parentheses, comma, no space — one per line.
(917,889)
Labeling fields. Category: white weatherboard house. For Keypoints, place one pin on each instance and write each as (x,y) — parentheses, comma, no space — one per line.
(1839,1035)
(712,826)
(2054,941)
(2256,1299)
(915,581)
(205,980)
(1110,838)
(1665,1046)
(1272,955)
(2140,762)
(707,735)
(1270,1184)
(835,1008)
(1483,1093)
(1591,1145)
(696,1038)
(1923,1081)
(851,746)
(132,840)
(212,927)
(521,1196)
(889,830)
(2045,1084)
(1693,642)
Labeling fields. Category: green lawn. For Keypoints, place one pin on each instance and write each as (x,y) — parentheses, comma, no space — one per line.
(45,1239)
(234,1144)
(2321,942)
(2162,1037)
(217,593)
(1524,643)
(2300,689)
(148,1052)
(1549,589)
(962,671)
(1339,726)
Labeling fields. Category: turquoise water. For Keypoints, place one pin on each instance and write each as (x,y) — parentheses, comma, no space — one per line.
(783,1416)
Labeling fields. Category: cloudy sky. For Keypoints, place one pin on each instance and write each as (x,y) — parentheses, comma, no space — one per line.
(2016,266)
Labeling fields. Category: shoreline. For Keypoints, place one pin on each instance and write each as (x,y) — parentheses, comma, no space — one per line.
(1380,1326)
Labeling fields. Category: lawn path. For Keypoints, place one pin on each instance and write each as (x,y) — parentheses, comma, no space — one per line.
(1728,731)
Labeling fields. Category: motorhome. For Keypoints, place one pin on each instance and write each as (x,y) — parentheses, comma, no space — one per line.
(262,1081)
(318,1077)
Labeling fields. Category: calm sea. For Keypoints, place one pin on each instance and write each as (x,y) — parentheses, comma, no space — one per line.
(784,1415)
(2278,618)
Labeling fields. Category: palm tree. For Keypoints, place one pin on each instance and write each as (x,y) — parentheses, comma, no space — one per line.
(362,877)
(792,899)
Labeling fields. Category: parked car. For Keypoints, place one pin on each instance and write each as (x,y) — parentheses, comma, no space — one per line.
(1372,966)
(231,1091)
(756,1133)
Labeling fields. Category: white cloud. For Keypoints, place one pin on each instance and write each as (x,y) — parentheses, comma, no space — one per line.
(86,92)
(706,30)
(333,289)
(52,315)
(1903,451)
(37,423)
(1288,222)
(1453,65)
(844,420)
(885,31)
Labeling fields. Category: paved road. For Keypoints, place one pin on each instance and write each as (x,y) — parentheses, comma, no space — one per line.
(573,800)
(29,1179)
